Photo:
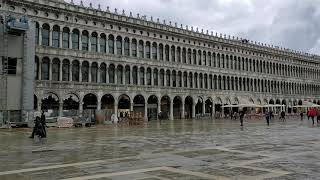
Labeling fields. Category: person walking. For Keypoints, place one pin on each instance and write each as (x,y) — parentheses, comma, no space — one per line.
(242,113)
(44,124)
(283,116)
(301,116)
(38,128)
(268,118)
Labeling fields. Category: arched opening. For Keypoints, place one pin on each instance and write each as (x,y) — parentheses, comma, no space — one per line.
(165,106)
(75,39)
(107,106)
(45,68)
(199,106)
(55,70)
(177,107)
(85,71)
(218,107)
(94,42)
(50,103)
(123,106)
(139,104)
(119,45)
(90,102)
(153,107)
(65,70)
(103,42)
(45,34)
(56,36)
(208,107)
(70,105)
(75,71)
(103,73)
(188,107)
(85,40)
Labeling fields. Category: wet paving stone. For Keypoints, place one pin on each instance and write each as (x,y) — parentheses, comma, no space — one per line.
(217,148)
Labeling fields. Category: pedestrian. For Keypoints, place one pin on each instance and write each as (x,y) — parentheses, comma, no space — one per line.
(301,116)
(318,118)
(242,113)
(38,128)
(268,118)
(308,114)
(283,116)
(44,124)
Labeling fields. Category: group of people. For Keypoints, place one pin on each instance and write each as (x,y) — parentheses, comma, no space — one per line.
(40,126)
(312,113)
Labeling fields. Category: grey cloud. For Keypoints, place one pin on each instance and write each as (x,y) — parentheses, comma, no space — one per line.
(289,23)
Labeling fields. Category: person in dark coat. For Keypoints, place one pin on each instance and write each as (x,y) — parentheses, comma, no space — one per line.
(301,116)
(268,118)
(38,128)
(44,124)
(242,113)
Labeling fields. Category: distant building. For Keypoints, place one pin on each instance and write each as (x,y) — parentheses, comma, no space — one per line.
(90,60)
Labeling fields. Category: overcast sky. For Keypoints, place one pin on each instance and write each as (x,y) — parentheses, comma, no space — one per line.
(293,24)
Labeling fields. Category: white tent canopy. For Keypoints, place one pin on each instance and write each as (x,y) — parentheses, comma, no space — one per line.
(243,103)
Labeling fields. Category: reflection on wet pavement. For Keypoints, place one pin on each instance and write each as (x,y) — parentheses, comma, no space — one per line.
(181,149)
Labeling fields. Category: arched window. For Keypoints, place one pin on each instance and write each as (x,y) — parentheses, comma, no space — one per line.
(179,54)
(111,44)
(184,55)
(126,46)
(65,38)
(189,56)
(45,34)
(204,58)
(179,81)
(120,75)
(45,66)
(56,37)
(85,40)
(135,75)
(166,53)
(85,71)
(36,68)
(209,59)
(168,78)
(94,72)
(141,49)
(94,42)
(75,71)
(191,80)
(65,70)
(134,47)
(174,79)
(141,76)
(103,42)
(154,51)
(201,81)
(37,33)
(162,77)
(195,80)
(119,45)
(148,50)
(185,79)
(149,77)
(199,58)
(161,51)
(194,57)
(75,39)
(55,70)
(155,77)
(103,73)
(173,54)
(206,81)
(111,74)
(127,75)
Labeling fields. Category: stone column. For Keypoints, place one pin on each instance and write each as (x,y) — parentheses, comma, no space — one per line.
(124,75)
(115,108)
(213,110)
(98,73)
(203,107)
(138,76)
(107,74)
(152,78)
(170,58)
(40,69)
(80,40)
(60,109)
(60,71)
(193,110)
(146,112)
(98,43)
(80,72)
(89,73)
(145,76)
(60,39)
(99,104)
(50,37)
(171,109)
(183,108)
(70,71)
(40,34)
(50,70)
(80,108)
(159,84)
(116,75)
(171,79)
(131,105)
(70,39)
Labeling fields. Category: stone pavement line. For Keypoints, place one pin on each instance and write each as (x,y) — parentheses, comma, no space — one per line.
(180,171)
(61,166)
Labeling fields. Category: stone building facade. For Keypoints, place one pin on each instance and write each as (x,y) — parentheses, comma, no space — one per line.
(89,59)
